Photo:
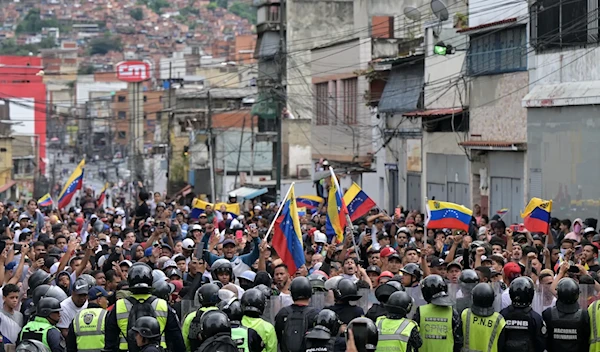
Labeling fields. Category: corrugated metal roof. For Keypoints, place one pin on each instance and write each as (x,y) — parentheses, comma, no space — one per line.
(402,90)
(563,94)
(487,25)
(434,112)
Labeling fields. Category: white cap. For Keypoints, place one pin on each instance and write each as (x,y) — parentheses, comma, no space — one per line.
(589,230)
(482,230)
(119,212)
(169,263)
(257,207)
(403,229)
(126,262)
(188,243)
(319,237)
(196,227)
(54,268)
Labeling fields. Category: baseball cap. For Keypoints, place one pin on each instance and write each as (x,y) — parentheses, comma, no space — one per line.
(164,245)
(386,274)
(374,269)
(386,252)
(455,264)
(395,256)
(81,287)
(403,229)
(148,252)
(97,292)
(228,241)
(589,230)
(24,216)
(203,215)
(126,262)
(10,266)
(436,262)
(188,243)
(512,270)
(169,264)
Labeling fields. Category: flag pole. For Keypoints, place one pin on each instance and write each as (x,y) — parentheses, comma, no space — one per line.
(349,227)
(278,212)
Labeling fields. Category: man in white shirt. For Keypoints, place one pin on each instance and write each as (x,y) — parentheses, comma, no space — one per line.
(73,305)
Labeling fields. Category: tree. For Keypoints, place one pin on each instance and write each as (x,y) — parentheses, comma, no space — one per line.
(137,14)
(222,3)
(103,45)
(33,24)
(211,6)
(86,70)
(244,10)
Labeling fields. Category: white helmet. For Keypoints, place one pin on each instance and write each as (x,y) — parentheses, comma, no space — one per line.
(232,195)
(196,227)
(319,237)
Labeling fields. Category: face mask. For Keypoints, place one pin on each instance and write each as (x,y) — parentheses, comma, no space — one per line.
(563,251)
(577,228)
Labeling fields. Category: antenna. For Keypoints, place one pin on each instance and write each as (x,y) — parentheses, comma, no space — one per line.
(412,13)
(440,10)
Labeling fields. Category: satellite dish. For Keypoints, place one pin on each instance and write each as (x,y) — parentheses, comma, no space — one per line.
(440,10)
(412,13)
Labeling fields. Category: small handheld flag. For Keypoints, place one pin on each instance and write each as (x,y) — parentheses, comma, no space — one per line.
(287,238)
(45,200)
(73,184)
(442,215)
(336,213)
(357,202)
(536,216)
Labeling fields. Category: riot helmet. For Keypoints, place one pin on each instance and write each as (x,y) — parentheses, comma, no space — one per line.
(253,301)
(317,282)
(483,300)
(47,306)
(233,309)
(208,295)
(139,278)
(329,320)
(162,289)
(31,346)
(467,280)
(567,295)
(267,292)
(147,327)
(346,291)
(365,334)
(89,279)
(39,277)
(300,288)
(398,305)
(214,322)
(383,292)
(521,292)
(435,291)
(158,275)
(221,266)
(414,271)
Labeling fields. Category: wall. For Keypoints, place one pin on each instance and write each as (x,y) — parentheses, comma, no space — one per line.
(564,66)
(227,148)
(486,11)
(563,156)
(86,84)
(297,151)
(494,112)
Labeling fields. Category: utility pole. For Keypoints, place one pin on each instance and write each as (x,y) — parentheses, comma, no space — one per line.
(251,149)
(281,95)
(169,122)
(211,156)
(237,167)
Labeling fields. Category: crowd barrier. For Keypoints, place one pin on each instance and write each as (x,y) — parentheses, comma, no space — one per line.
(460,294)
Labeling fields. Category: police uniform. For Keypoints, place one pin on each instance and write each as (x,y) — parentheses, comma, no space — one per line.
(567,331)
(86,332)
(594,312)
(483,333)
(117,319)
(319,339)
(525,330)
(398,335)
(247,339)
(265,329)
(440,328)
(377,310)
(191,324)
(40,329)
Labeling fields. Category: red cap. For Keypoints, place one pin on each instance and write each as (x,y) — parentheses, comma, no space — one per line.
(386,274)
(410,221)
(386,252)
(512,270)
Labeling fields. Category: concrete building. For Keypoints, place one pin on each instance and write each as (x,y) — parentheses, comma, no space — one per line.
(561,108)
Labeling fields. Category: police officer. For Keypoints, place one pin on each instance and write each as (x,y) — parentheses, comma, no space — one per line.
(208,297)
(344,293)
(301,292)
(43,326)
(467,281)
(221,272)
(382,293)
(483,328)
(364,333)
(440,325)
(247,339)
(38,278)
(215,332)
(139,278)
(253,304)
(322,337)
(568,324)
(147,331)
(411,275)
(45,291)
(86,332)
(396,331)
(525,329)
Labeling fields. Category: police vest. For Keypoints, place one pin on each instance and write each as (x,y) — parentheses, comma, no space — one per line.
(595,329)
(122,308)
(37,329)
(88,326)
(566,329)
(394,334)
(240,337)
(481,333)
(265,330)
(435,326)
(187,323)
(518,336)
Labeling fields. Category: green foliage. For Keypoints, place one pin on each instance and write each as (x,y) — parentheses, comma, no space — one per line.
(47,43)
(10,47)
(154,5)
(137,14)
(86,70)
(244,10)
(211,6)
(222,3)
(188,10)
(102,45)
(33,24)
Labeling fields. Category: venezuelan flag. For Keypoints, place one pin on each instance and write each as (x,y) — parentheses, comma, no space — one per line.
(233,209)
(442,215)
(502,211)
(73,184)
(536,216)
(309,202)
(336,214)
(287,238)
(357,202)
(199,207)
(301,211)
(45,201)
(102,196)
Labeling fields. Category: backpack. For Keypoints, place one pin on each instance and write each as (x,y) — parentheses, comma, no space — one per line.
(30,346)
(219,343)
(295,328)
(138,310)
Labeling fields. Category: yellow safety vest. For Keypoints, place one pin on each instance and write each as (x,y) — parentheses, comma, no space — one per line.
(265,330)
(481,333)
(394,334)
(123,306)
(435,324)
(595,330)
(187,322)
(88,326)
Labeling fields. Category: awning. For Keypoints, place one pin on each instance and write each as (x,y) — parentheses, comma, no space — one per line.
(402,90)
(494,145)
(490,25)
(7,185)
(268,45)
(563,94)
(435,112)
(244,193)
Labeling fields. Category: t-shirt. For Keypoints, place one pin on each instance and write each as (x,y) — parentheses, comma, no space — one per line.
(68,313)
(10,325)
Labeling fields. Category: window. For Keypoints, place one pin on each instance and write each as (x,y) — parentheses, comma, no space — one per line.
(497,52)
(122,115)
(122,134)
(158,115)
(563,23)
(145,98)
(322,97)
(121,98)
(349,100)
(273,13)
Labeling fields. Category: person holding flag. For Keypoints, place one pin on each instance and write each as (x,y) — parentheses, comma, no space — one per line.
(73,184)
(337,213)
(287,238)
(102,196)
(45,201)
